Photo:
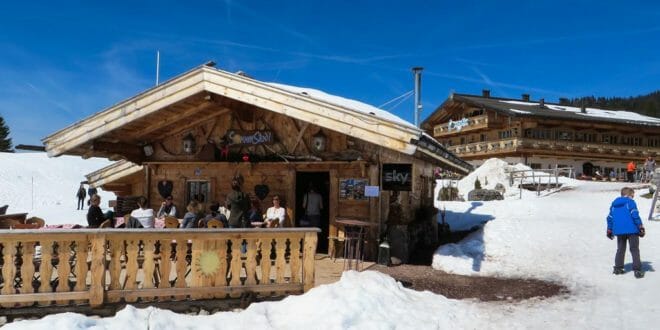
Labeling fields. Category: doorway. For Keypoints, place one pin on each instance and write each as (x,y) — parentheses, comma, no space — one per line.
(321,182)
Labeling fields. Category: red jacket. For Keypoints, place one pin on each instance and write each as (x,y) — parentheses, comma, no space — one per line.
(631,167)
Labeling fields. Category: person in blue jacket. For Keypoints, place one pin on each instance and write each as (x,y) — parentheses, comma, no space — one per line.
(624,222)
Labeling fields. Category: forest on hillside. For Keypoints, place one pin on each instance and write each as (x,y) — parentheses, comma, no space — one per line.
(648,105)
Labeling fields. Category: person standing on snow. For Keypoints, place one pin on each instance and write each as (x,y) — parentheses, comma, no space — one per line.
(630,171)
(81,194)
(624,222)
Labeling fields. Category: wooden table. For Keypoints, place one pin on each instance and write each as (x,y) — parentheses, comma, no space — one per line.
(355,231)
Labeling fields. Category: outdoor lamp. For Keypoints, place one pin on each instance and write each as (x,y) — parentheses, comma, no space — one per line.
(188,144)
(148,150)
(319,141)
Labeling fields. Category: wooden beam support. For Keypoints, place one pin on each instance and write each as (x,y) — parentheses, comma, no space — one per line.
(197,122)
(168,121)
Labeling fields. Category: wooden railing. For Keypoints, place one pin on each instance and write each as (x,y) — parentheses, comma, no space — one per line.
(98,266)
(473,123)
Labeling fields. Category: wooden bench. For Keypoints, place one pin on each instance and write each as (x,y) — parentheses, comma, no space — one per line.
(6,220)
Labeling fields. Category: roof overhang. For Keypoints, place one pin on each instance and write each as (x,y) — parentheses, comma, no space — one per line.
(112,172)
(103,134)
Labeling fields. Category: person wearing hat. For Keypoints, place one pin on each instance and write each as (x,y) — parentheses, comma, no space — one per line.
(167,208)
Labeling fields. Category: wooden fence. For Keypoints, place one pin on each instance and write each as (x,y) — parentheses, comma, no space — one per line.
(97,266)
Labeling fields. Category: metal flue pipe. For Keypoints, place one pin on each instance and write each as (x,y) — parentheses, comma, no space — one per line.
(417,72)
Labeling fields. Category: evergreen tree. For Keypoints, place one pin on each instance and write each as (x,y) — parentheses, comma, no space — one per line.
(5,140)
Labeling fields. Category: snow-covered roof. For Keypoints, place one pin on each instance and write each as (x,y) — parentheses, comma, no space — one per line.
(345,103)
(552,110)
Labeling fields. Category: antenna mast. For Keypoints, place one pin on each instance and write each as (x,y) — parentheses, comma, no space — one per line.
(157,66)
(417,71)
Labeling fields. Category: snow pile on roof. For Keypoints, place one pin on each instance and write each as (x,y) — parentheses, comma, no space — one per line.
(592,112)
(46,187)
(345,103)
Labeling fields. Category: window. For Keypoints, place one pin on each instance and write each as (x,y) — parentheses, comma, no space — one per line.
(197,190)
(535,166)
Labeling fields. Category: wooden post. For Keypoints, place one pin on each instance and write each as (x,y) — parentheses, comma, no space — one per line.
(97,283)
(308,260)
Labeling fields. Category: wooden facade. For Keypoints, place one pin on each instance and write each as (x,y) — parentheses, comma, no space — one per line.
(543,135)
(201,129)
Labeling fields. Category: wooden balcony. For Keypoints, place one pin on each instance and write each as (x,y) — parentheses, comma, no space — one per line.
(462,126)
(519,145)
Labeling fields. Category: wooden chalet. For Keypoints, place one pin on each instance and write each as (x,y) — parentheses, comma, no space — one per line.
(542,134)
(190,135)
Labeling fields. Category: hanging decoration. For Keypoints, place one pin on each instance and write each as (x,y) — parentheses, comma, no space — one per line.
(165,188)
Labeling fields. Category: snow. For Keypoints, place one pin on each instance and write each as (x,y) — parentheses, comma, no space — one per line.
(345,103)
(591,112)
(558,236)
(46,187)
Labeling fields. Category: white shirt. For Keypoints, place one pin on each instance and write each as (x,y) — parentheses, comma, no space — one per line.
(161,211)
(145,216)
(224,211)
(276,213)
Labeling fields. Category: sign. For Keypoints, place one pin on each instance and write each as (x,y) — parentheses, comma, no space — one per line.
(371,191)
(397,177)
(352,189)
(250,137)
(458,124)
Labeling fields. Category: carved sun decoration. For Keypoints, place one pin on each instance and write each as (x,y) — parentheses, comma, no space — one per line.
(208,263)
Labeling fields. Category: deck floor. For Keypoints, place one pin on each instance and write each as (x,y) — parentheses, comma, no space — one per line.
(329,271)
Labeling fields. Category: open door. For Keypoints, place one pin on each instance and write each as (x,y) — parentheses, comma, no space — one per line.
(321,183)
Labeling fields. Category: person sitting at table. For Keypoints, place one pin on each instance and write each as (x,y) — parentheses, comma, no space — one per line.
(191,217)
(167,208)
(215,213)
(254,213)
(94,215)
(141,217)
(275,214)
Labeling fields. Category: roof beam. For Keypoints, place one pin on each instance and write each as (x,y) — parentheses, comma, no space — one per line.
(197,122)
(170,120)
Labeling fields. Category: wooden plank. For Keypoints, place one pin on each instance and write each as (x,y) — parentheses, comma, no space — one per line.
(169,120)
(280,260)
(231,290)
(131,265)
(97,282)
(196,276)
(27,269)
(266,249)
(8,270)
(221,276)
(235,267)
(148,267)
(46,269)
(63,269)
(165,267)
(251,262)
(294,260)
(309,249)
(181,265)
(81,267)
(117,248)
(43,297)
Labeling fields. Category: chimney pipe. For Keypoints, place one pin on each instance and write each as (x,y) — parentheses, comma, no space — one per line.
(525,97)
(417,72)
(542,102)
(485,93)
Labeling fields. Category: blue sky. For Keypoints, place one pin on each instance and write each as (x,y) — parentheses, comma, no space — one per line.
(60,63)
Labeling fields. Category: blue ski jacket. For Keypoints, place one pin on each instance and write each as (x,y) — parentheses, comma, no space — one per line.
(624,217)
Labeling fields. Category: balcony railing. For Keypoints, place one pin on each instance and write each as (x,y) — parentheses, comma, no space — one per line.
(520,144)
(98,266)
(465,124)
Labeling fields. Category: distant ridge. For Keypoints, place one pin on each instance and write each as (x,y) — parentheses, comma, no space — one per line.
(648,104)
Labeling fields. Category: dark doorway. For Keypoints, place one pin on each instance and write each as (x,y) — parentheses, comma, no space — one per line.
(588,169)
(321,182)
